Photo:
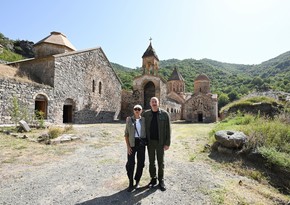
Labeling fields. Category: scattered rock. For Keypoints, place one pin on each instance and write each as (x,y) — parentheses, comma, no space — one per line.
(64,138)
(24,125)
(43,138)
(231,139)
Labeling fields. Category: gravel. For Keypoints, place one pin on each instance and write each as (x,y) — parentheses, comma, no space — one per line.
(95,174)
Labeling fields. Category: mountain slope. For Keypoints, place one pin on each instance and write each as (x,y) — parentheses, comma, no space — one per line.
(236,79)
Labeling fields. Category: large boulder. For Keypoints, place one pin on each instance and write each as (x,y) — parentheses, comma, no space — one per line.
(231,139)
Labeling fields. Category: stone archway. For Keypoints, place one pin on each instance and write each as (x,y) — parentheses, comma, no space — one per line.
(149,92)
(41,105)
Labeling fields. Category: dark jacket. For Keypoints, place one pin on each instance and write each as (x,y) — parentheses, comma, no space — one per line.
(164,129)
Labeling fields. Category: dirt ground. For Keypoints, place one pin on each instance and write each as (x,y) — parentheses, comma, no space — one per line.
(92,171)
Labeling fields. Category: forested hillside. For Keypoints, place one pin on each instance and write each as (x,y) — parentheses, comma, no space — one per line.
(229,81)
(13,50)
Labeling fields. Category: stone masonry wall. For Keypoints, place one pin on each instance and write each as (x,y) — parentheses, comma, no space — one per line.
(89,80)
(200,104)
(128,103)
(25,92)
(39,70)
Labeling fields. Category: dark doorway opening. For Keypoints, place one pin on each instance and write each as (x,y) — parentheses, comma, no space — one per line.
(200,117)
(149,92)
(67,113)
(41,106)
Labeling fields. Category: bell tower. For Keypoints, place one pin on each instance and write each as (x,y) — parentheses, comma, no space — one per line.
(150,61)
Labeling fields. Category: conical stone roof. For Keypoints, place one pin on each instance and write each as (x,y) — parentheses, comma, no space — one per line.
(176,75)
(150,52)
(57,38)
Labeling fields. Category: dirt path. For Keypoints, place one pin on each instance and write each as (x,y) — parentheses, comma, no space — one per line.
(92,171)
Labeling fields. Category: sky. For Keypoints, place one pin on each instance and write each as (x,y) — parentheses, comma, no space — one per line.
(231,31)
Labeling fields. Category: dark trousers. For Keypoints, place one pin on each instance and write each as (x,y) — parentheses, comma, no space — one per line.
(130,165)
(155,150)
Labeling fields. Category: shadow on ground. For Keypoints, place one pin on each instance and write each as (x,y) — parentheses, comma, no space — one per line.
(121,197)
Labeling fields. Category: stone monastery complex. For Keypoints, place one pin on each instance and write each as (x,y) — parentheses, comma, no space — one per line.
(79,87)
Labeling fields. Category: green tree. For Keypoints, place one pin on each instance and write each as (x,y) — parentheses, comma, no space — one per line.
(14,111)
(223,99)
(233,95)
(257,81)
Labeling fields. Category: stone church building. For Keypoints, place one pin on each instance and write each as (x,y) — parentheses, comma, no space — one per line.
(70,86)
(199,106)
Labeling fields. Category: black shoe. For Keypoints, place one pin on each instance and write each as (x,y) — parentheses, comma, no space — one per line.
(162,185)
(152,183)
(130,189)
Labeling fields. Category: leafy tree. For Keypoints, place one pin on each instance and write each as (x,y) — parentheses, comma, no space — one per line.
(257,81)
(223,99)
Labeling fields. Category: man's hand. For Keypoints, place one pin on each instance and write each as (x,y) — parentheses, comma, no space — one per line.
(166,147)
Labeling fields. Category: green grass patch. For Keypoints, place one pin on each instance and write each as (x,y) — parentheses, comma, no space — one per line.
(249,101)
(271,137)
(273,156)
(10,56)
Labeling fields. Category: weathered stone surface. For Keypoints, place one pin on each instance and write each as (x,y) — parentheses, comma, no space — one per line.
(230,139)
(24,125)
(42,138)
(84,79)
(64,138)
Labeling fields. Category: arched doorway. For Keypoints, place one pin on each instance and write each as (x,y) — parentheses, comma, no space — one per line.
(68,111)
(41,106)
(149,92)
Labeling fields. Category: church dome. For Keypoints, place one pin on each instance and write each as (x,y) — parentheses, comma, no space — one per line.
(57,38)
(202,77)
(55,43)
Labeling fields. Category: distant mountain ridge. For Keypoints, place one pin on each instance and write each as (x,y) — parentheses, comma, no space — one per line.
(228,78)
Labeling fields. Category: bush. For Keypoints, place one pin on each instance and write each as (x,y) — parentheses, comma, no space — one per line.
(54,132)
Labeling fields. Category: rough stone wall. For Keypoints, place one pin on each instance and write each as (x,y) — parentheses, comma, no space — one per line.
(89,80)
(175,85)
(39,70)
(201,87)
(25,92)
(47,49)
(160,89)
(150,65)
(174,109)
(129,99)
(163,94)
(200,105)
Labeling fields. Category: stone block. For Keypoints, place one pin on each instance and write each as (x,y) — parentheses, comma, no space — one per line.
(24,125)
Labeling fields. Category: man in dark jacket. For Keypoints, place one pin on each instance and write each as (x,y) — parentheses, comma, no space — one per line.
(158,131)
